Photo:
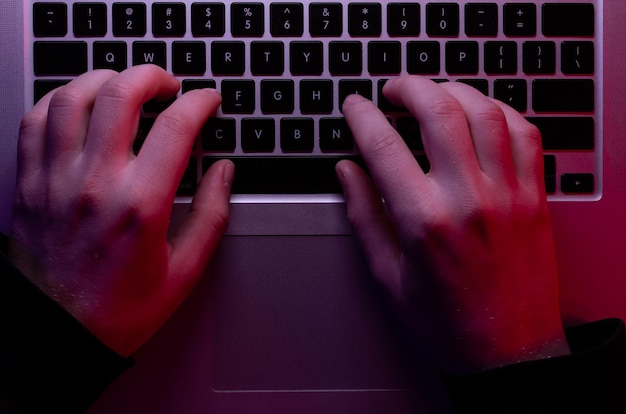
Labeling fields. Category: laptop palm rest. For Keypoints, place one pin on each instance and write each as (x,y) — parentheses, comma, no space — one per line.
(291,313)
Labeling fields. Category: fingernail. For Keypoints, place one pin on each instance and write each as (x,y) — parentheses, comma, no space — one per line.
(212,91)
(229,174)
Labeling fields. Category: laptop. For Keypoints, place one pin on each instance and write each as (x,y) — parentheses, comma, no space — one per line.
(286,318)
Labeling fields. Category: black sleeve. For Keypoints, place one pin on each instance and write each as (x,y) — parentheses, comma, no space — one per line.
(590,380)
(48,361)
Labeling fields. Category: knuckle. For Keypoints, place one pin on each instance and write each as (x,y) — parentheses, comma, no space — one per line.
(176,124)
(386,142)
(445,106)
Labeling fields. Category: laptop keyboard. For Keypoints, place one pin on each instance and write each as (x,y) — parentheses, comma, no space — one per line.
(284,68)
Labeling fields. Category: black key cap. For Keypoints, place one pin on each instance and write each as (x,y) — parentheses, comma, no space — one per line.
(364,19)
(383,103)
(500,58)
(191,84)
(335,135)
(409,130)
(150,52)
(258,134)
(168,19)
(520,19)
(577,58)
(361,87)
(316,96)
(325,19)
(346,58)
(49,19)
(238,96)
(563,95)
(156,106)
(513,92)
(227,58)
(403,19)
(110,55)
(539,58)
(481,85)
(42,87)
(423,58)
(481,19)
(462,58)
(296,134)
(577,183)
(59,58)
(568,19)
(207,19)
(566,133)
(549,173)
(277,96)
(188,58)
(442,19)
(287,19)
(306,58)
(129,19)
(267,58)
(247,19)
(218,134)
(90,19)
(383,58)
(189,183)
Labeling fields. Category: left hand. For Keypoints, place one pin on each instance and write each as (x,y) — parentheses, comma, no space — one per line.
(91,219)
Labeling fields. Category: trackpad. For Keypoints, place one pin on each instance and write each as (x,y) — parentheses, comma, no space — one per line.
(301,313)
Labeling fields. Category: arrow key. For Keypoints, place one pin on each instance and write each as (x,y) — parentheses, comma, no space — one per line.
(577,183)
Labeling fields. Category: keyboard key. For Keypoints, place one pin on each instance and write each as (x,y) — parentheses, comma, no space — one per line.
(364,19)
(296,135)
(227,58)
(49,19)
(409,130)
(188,58)
(267,58)
(539,58)
(577,183)
(43,86)
(90,19)
(568,19)
(335,135)
(218,134)
(566,133)
(247,19)
(423,58)
(500,58)
(129,19)
(306,58)
(60,58)
(316,96)
(577,58)
(258,134)
(520,19)
(481,19)
(110,55)
(462,58)
(207,19)
(277,96)
(287,19)
(384,58)
(150,52)
(238,96)
(383,103)
(325,19)
(442,19)
(549,173)
(481,85)
(403,19)
(346,58)
(361,87)
(191,84)
(168,19)
(189,182)
(563,95)
(513,92)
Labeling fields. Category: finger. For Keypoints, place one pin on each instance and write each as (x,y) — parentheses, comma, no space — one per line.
(116,111)
(489,132)
(32,141)
(165,153)
(445,133)
(193,244)
(394,169)
(68,117)
(526,147)
(371,224)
